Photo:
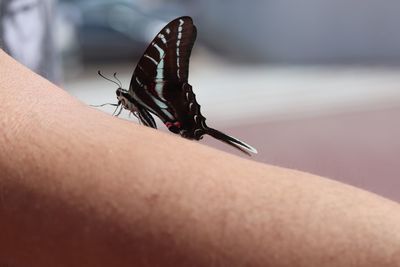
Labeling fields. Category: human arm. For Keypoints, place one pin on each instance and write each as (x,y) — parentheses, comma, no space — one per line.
(81,188)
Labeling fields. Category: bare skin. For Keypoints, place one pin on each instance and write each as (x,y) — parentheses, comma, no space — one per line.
(81,188)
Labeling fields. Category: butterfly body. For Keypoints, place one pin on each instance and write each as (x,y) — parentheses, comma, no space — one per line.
(191,127)
(159,86)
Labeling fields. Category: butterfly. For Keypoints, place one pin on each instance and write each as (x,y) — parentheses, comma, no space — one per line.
(159,86)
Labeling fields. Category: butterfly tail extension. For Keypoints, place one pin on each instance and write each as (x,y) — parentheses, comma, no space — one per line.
(245,148)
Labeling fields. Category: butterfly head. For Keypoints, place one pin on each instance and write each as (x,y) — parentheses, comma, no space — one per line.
(123,97)
(119,92)
(122,94)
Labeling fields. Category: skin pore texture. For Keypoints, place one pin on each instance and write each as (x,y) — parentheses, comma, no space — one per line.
(79,187)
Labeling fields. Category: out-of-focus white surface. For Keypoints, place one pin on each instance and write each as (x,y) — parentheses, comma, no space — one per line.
(230,93)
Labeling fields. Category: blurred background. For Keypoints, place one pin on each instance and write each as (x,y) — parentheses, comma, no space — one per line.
(314,85)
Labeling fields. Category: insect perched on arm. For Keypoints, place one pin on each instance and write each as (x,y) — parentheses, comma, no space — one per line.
(159,86)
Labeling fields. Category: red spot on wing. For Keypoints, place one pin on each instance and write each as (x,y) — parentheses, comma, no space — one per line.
(173,127)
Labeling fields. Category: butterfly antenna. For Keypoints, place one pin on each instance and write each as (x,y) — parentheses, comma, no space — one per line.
(115,76)
(98,72)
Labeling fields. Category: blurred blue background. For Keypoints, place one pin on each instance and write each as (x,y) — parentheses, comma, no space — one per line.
(313,84)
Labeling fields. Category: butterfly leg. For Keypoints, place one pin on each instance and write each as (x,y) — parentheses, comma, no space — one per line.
(119,112)
(102,105)
(134,113)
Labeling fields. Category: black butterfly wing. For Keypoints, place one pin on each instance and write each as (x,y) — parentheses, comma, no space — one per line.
(146,118)
(193,123)
(163,68)
(160,85)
